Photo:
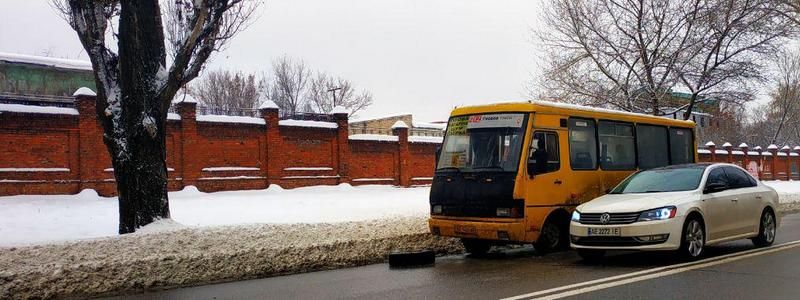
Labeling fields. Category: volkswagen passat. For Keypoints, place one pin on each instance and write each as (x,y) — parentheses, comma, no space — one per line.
(683,208)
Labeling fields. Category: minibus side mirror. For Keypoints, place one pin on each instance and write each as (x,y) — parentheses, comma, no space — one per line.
(438,153)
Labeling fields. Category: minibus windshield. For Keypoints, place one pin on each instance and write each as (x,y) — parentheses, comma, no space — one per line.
(484,142)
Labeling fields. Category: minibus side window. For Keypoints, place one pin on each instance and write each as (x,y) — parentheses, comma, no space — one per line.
(617,148)
(681,146)
(544,156)
(582,144)
(653,147)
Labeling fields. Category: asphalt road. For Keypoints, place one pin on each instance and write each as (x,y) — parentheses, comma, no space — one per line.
(733,270)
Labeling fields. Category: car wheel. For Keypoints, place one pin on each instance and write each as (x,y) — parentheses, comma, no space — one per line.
(766,229)
(476,247)
(591,255)
(553,237)
(693,239)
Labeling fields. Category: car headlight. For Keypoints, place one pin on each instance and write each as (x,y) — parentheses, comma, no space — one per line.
(436,210)
(658,214)
(576,216)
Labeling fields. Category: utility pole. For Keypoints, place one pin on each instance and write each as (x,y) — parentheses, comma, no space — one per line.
(333,91)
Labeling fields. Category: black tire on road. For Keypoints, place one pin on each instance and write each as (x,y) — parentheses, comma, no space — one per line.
(767,227)
(399,259)
(476,247)
(592,255)
(554,236)
(693,238)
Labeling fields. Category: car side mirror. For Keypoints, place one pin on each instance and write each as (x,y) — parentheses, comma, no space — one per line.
(715,187)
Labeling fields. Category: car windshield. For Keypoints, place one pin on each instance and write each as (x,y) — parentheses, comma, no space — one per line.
(487,142)
(669,179)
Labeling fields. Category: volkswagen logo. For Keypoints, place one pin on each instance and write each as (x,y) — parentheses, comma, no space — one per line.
(605,218)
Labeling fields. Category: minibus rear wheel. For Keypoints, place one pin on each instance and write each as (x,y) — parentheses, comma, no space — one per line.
(476,247)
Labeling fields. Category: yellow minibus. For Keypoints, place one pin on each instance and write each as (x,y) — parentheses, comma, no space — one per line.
(513,172)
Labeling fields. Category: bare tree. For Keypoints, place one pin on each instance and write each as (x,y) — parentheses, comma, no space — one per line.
(136,85)
(630,54)
(784,107)
(289,84)
(618,53)
(325,89)
(732,39)
(226,90)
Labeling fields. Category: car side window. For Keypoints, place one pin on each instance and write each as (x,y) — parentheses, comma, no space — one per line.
(737,177)
(717,176)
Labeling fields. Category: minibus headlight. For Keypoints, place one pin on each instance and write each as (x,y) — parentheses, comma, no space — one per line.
(576,216)
(503,212)
(436,210)
(658,214)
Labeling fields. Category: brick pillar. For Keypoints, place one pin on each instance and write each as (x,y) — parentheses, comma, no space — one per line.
(774,165)
(342,143)
(400,129)
(796,158)
(746,158)
(760,162)
(787,162)
(728,147)
(271,170)
(90,142)
(190,167)
(713,149)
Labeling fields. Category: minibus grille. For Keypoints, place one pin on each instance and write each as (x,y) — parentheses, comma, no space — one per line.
(618,218)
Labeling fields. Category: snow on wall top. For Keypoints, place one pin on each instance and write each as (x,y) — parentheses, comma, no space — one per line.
(230,119)
(84,91)
(425,139)
(399,124)
(757,148)
(710,144)
(374,137)
(727,145)
(785,147)
(742,145)
(184,98)
(796,147)
(340,110)
(772,147)
(32,109)
(173,116)
(46,61)
(304,123)
(428,125)
(268,104)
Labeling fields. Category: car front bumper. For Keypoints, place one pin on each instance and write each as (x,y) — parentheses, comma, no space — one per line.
(634,236)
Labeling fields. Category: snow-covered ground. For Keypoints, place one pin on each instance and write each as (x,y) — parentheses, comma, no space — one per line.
(32,219)
(38,219)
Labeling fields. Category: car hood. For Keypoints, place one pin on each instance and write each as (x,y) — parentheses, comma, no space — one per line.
(619,203)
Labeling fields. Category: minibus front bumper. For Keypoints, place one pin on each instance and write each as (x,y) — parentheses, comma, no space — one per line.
(511,230)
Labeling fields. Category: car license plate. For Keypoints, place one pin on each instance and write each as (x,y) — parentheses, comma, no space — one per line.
(603,231)
(466,229)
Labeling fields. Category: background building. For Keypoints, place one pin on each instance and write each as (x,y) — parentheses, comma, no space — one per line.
(37,80)
(384,126)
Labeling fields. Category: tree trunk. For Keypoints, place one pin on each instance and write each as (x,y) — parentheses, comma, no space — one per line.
(135,132)
(690,107)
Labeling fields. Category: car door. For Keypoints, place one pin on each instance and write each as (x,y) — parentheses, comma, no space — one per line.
(747,198)
(721,212)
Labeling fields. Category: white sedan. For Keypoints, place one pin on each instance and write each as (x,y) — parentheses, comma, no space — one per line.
(683,208)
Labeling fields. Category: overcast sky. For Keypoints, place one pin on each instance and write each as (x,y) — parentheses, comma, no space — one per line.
(418,56)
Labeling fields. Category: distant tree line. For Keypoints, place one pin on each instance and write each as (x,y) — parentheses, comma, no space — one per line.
(292,85)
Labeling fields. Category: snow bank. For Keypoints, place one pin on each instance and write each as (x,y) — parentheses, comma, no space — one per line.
(146,261)
(788,191)
(32,219)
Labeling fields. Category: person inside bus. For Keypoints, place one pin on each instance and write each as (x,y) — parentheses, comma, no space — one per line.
(540,157)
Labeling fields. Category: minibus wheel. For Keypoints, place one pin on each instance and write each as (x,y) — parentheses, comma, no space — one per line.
(554,235)
(476,247)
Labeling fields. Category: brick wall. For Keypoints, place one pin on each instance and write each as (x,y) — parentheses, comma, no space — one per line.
(771,164)
(62,152)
